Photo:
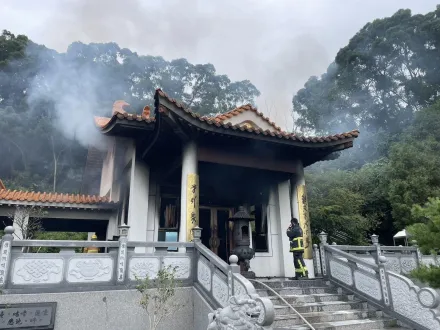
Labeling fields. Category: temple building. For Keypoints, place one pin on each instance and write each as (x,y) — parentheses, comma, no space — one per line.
(167,170)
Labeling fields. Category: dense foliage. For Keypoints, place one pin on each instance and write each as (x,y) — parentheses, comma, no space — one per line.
(428,275)
(386,83)
(427,231)
(47,100)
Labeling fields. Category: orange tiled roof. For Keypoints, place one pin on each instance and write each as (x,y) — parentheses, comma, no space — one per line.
(248,107)
(43,197)
(278,134)
(102,122)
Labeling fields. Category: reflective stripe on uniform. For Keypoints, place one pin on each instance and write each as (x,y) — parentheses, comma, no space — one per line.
(303,269)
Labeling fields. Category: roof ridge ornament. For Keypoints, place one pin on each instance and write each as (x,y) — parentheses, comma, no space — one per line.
(119,107)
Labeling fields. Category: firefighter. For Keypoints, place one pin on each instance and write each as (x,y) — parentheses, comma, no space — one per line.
(295,233)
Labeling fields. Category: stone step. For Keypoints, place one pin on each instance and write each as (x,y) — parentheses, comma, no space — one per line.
(346,325)
(321,317)
(311,298)
(286,283)
(330,306)
(300,291)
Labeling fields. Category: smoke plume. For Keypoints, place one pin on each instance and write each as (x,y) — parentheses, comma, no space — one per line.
(277,45)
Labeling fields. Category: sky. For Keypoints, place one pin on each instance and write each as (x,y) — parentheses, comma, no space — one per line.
(276,44)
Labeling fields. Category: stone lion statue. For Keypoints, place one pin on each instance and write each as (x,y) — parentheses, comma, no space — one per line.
(242,313)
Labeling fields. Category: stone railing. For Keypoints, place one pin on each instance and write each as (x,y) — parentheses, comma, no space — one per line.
(399,259)
(119,267)
(219,282)
(390,291)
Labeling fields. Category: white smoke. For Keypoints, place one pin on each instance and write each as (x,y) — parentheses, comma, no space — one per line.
(73,94)
(277,45)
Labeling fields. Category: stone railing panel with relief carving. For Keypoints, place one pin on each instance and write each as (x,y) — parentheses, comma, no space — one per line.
(219,280)
(117,267)
(392,292)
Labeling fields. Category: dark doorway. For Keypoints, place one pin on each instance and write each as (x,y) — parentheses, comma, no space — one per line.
(222,221)
(205,224)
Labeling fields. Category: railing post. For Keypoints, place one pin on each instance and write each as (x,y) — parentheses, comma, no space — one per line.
(377,253)
(234,268)
(122,253)
(197,239)
(5,257)
(317,260)
(197,234)
(418,253)
(323,238)
(384,281)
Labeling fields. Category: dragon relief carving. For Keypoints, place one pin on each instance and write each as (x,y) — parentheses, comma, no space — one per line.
(241,313)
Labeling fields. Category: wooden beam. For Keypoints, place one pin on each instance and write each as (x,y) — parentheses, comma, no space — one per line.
(245,160)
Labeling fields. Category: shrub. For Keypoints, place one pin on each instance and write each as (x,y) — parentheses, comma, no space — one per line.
(158,296)
(429,275)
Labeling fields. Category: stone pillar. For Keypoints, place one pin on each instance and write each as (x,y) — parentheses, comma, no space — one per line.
(300,210)
(21,219)
(138,203)
(5,253)
(122,253)
(189,197)
(287,267)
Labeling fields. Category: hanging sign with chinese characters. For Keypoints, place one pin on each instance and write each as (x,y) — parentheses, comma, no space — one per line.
(192,204)
(28,316)
(4,255)
(304,221)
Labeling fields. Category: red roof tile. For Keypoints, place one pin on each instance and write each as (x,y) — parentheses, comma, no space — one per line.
(102,122)
(119,112)
(277,134)
(43,197)
(248,107)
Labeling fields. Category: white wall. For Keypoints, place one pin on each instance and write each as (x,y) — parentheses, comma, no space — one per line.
(108,167)
(153,213)
(139,201)
(268,264)
(108,310)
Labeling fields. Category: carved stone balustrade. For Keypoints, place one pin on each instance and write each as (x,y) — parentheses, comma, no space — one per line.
(367,273)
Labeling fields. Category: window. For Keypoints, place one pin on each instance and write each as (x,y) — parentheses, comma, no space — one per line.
(169,220)
(259,228)
(169,213)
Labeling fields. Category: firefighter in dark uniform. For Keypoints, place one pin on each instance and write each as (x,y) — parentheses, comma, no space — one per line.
(295,234)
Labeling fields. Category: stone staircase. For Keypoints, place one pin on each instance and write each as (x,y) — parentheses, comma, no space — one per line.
(322,305)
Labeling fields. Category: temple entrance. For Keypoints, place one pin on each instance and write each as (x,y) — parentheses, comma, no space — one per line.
(216,233)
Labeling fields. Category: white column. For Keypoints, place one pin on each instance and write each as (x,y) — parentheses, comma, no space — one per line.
(287,268)
(112,227)
(189,165)
(138,203)
(21,219)
(298,180)
(152,224)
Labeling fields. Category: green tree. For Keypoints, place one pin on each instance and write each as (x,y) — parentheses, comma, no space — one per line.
(427,229)
(414,161)
(47,100)
(337,207)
